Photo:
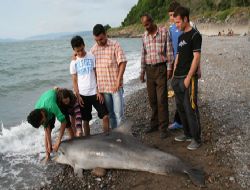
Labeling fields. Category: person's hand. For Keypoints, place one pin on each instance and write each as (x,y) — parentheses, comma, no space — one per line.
(73,58)
(80,100)
(56,146)
(187,82)
(117,86)
(169,74)
(100,97)
(142,76)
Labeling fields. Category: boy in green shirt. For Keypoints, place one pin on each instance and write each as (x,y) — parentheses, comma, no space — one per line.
(46,110)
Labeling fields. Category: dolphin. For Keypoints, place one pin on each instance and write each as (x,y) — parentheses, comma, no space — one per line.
(120,150)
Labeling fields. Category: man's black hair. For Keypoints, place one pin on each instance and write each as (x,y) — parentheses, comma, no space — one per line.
(149,17)
(98,29)
(182,12)
(173,6)
(35,117)
(77,41)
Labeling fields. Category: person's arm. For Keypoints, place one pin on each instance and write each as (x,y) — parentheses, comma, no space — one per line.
(197,40)
(59,138)
(143,63)
(175,64)
(122,67)
(199,70)
(61,118)
(98,94)
(48,144)
(121,60)
(170,56)
(76,89)
(192,69)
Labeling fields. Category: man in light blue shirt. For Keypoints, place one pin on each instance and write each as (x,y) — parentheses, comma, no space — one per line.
(174,33)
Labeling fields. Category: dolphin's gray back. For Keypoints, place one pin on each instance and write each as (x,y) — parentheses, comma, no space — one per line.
(120,151)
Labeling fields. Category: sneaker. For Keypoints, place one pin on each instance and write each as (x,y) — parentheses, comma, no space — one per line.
(182,138)
(175,125)
(193,145)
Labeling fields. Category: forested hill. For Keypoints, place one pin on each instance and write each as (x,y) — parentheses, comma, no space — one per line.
(158,8)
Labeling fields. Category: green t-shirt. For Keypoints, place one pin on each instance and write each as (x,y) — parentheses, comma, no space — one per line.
(47,101)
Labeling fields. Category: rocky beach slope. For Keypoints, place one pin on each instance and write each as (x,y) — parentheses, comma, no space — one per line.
(224,102)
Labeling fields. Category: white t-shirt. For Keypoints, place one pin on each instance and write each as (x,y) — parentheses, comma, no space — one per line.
(84,68)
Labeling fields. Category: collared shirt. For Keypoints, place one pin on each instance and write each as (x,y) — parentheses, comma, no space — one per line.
(108,58)
(157,48)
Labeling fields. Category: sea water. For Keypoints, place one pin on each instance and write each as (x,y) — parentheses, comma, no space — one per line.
(27,69)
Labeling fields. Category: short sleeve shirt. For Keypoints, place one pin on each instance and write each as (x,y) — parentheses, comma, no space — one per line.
(48,102)
(188,43)
(108,59)
(84,68)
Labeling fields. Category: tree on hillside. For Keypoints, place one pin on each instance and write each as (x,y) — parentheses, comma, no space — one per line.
(158,8)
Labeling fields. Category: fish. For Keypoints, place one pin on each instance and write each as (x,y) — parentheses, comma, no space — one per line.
(119,149)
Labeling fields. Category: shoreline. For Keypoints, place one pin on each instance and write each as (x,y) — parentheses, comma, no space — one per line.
(224,109)
(208,29)
(137,109)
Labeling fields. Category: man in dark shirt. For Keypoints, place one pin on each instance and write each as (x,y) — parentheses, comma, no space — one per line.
(185,79)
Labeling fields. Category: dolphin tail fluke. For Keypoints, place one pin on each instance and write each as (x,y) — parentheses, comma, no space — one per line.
(197,176)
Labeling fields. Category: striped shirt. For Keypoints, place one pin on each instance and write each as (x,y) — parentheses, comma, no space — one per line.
(157,48)
(108,58)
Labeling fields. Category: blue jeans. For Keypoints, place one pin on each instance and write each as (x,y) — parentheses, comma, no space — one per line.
(115,105)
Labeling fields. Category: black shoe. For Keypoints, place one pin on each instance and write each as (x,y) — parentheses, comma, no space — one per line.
(151,129)
(163,134)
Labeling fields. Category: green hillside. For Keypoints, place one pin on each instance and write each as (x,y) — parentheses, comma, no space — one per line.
(158,8)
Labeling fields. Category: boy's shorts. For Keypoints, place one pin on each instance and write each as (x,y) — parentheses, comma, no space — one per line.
(86,110)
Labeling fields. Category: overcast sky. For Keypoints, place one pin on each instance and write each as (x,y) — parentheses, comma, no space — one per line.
(24,18)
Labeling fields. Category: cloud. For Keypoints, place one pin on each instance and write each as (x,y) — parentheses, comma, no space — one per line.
(28,17)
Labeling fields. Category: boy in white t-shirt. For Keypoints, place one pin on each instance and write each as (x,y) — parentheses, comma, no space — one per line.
(84,83)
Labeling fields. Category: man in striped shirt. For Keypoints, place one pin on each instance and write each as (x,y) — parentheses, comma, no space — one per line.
(110,67)
(156,63)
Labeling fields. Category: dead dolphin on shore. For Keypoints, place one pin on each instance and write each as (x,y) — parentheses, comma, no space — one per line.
(120,150)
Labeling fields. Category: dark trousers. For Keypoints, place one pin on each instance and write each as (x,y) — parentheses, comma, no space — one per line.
(186,103)
(157,93)
(177,117)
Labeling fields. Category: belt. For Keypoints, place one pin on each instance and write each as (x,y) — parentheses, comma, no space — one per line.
(156,65)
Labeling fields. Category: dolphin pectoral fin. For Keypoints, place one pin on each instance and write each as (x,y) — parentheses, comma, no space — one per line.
(197,176)
(78,172)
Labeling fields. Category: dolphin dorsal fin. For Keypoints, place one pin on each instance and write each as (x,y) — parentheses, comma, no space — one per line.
(125,127)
